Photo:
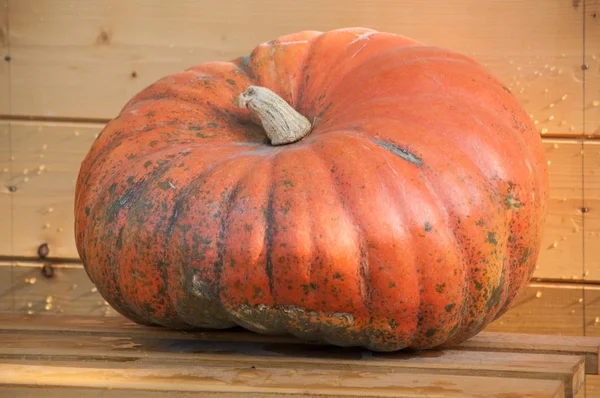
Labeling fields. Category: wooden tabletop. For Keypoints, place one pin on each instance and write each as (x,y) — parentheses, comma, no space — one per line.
(74,356)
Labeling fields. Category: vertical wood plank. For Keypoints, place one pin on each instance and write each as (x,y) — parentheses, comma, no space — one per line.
(45,165)
(4,61)
(591,209)
(592,68)
(6,194)
(561,255)
(592,311)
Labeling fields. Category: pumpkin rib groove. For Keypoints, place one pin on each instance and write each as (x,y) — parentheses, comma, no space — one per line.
(107,182)
(115,140)
(450,232)
(420,277)
(161,170)
(228,205)
(424,176)
(367,290)
(338,63)
(269,233)
(122,201)
(364,290)
(300,85)
(194,185)
(452,228)
(167,89)
(313,46)
(132,193)
(170,225)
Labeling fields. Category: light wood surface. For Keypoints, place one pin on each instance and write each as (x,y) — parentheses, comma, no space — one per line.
(591,388)
(566,368)
(545,308)
(4,65)
(118,327)
(561,255)
(592,205)
(97,346)
(45,164)
(25,289)
(592,73)
(46,158)
(85,59)
(592,311)
(6,197)
(274,381)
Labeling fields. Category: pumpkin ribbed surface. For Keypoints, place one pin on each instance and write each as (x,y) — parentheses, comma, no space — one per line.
(410,216)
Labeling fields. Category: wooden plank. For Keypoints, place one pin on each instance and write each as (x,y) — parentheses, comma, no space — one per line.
(592,73)
(545,308)
(47,158)
(105,51)
(561,255)
(273,381)
(567,368)
(25,289)
(587,347)
(592,311)
(592,207)
(6,197)
(592,388)
(4,61)
(117,326)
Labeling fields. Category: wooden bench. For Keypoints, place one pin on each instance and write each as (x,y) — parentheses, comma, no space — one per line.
(78,356)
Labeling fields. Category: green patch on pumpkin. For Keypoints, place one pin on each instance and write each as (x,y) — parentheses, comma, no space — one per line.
(491,238)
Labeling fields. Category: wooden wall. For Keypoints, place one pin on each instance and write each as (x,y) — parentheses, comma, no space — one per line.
(67,66)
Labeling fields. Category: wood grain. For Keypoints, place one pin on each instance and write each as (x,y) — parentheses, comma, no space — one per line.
(592,311)
(45,164)
(4,63)
(545,308)
(46,158)
(85,59)
(566,368)
(117,326)
(25,289)
(592,388)
(561,255)
(592,73)
(274,381)
(592,209)
(6,197)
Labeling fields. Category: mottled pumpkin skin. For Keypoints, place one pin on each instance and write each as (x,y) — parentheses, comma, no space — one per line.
(411,216)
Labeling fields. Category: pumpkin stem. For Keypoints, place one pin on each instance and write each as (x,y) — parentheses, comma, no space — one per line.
(282,123)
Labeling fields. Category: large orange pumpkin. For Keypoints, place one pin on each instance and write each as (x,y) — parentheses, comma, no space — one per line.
(353,187)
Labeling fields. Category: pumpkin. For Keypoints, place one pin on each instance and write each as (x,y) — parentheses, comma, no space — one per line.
(351,187)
